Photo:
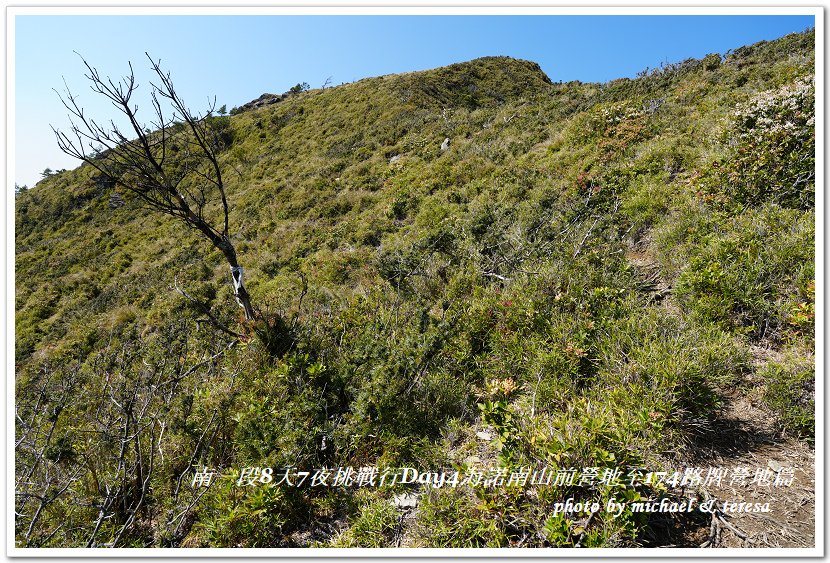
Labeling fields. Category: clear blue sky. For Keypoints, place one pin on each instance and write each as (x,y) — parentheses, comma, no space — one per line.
(237,58)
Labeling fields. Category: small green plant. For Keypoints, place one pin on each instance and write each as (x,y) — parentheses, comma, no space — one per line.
(375,526)
(449,517)
(498,415)
(253,516)
(790,392)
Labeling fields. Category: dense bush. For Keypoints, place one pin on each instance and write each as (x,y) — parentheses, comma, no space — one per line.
(772,154)
(753,272)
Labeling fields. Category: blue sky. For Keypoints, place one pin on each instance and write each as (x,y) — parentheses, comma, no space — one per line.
(237,58)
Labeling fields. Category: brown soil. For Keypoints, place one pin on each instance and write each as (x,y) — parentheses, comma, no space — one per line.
(744,435)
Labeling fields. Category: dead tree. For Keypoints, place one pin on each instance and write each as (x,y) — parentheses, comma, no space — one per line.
(171,164)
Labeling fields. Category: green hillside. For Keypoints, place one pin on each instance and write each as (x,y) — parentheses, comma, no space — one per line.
(577,279)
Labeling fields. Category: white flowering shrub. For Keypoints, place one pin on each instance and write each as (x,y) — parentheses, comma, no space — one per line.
(773,157)
(788,110)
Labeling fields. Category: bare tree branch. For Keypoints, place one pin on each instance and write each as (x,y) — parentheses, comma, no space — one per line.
(174,169)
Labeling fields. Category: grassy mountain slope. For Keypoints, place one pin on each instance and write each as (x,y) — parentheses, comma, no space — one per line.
(577,278)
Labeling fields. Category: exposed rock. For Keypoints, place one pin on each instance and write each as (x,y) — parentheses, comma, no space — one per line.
(446,144)
(404,501)
(262,101)
(102,181)
(116,200)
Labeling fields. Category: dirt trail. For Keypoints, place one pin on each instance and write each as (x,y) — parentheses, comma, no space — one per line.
(747,437)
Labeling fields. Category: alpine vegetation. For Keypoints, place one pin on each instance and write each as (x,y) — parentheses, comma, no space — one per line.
(479,309)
